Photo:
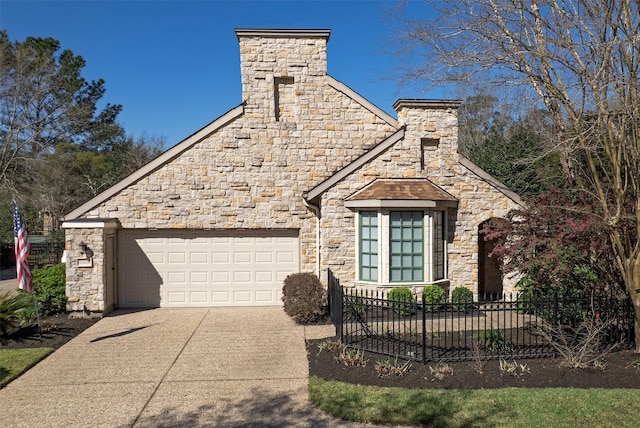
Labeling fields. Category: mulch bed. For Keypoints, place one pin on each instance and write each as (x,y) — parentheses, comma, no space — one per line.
(619,370)
(55,331)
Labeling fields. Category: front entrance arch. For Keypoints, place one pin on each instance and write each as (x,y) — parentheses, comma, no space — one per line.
(490,278)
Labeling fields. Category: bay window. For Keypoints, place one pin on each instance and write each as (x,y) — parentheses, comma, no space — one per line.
(404,246)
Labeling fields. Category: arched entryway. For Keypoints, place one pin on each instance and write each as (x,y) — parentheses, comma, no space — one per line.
(490,285)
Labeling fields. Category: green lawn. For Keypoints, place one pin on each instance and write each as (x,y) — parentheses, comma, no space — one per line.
(14,362)
(509,407)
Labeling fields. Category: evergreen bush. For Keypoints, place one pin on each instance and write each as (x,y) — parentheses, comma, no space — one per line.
(433,297)
(462,299)
(49,285)
(402,300)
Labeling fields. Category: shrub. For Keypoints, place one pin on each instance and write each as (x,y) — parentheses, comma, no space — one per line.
(10,310)
(495,341)
(402,300)
(304,297)
(462,299)
(433,297)
(567,307)
(49,288)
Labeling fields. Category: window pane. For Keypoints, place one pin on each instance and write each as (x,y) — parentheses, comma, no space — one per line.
(406,246)
(396,233)
(439,246)
(368,246)
(396,260)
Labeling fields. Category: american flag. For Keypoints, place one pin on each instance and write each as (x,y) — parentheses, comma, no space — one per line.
(22,251)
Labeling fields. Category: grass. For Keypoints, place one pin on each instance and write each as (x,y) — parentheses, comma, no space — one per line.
(14,362)
(508,407)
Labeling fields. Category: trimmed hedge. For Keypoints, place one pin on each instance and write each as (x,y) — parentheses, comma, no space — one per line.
(402,300)
(433,297)
(462,299)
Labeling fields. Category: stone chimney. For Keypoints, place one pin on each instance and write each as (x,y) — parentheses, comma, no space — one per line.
(432,123)
(277,65)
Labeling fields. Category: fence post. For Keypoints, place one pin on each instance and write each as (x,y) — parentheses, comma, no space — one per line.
(424,332)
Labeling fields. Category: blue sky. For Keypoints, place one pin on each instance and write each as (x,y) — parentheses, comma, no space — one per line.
(175,67)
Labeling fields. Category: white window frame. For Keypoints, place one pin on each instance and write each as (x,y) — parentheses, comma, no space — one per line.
(384,248)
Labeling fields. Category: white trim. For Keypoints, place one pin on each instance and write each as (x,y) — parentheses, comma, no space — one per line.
(389,203)
(339,86)
(94,224)
(399,203)
(158,162)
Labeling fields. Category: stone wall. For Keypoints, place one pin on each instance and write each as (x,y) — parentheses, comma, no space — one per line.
(85,285)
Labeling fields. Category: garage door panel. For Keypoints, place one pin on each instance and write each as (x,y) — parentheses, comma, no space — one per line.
(201,278)
(264,277)
(189,268)
(199,258)
(221,277)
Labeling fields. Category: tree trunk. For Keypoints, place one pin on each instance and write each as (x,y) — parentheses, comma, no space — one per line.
(632,284)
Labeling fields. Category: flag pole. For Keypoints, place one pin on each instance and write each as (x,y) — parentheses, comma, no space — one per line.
(22,248)
(35,306)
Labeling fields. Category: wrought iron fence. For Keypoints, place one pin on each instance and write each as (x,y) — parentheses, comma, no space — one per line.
(45,253)
(499,326)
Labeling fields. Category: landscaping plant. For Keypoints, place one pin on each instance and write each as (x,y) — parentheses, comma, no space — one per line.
(433,297)
(11,307)
(304,297)
(49,289)
(402,301)
(495,340)
(462,299)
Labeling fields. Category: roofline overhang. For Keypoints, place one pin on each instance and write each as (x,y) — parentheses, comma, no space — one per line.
(354,166)
(400,203)
(161,160)
(301,33)
(425,104)
(95,223)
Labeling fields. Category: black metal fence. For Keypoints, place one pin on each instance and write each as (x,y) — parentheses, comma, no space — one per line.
(496,327)
(45,253)
(41,254)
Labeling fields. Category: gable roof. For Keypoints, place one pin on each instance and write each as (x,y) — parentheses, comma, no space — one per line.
(400,192)
(401,188)
(158,162)
(384,145)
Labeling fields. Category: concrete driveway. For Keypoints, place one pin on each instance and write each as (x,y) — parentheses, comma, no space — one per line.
(217,367)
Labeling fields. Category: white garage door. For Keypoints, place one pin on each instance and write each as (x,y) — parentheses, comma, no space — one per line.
(199,268)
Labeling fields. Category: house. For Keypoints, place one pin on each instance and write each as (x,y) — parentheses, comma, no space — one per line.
(304,175)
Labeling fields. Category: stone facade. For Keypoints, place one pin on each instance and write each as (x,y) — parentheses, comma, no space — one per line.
(296,128)
(479,200)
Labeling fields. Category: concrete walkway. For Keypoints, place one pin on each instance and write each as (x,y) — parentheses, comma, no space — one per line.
(215,367)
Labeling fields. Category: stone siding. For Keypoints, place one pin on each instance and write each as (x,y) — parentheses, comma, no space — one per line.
(85,285)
